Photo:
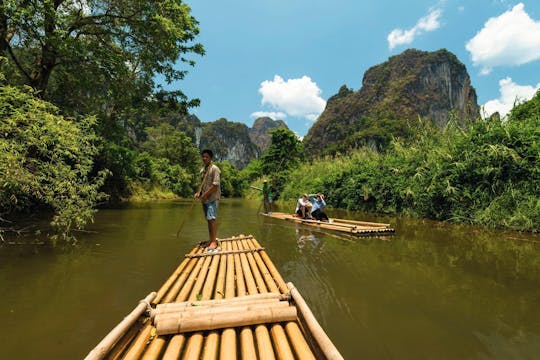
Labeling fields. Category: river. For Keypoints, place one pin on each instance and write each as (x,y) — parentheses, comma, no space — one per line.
(431,291)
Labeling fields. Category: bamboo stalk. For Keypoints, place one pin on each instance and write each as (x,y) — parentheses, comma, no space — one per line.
(283,349)
(183,308)
(228,336)
(174,324)
(240,281)
(137,347)
(210,350)
(119,330)
(272,268)
(180,281)
(228,344)
(270,283)
(264,344)
(191,256)
(153,350)
(320,336)
(174,349)
(254,269)
(190,313)
(188,284)
(170,281)
(298,341)
(122,344)
(247,344)
(194,345)
(196,291)
(365,223)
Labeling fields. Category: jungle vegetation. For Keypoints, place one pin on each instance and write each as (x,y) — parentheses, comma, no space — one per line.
(83,120)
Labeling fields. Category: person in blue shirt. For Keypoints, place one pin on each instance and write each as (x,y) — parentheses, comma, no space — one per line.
(317,209)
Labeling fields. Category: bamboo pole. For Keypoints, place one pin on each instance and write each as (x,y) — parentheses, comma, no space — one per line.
(365,223)
(278,334)
(180,281)
(119,330)
(170,281)
(191,256)
(283,349)
(298,341)
(247,344)
(264,344)
(137,347)
(154,349)
(122,344)
(326,345)
(269,280)
(240,281)
(224,319)
(229,300)
(228,336)
(188,284)
(210,350)
(194,312)
(254,269)
(194,345)
(236,238)
(174,349)
(154,314)
(272,268)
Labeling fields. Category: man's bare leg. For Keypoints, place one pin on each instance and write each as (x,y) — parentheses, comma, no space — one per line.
(212,231)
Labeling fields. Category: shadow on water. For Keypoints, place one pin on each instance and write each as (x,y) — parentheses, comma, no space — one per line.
(432,290)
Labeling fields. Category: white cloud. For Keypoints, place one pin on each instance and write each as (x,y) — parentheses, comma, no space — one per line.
(294,97)
(512,38)
(271,114)
(427,23)
(510,94)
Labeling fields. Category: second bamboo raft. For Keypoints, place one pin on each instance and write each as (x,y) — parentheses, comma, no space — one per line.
(335,224)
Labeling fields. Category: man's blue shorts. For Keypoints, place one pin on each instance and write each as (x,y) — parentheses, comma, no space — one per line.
(210,210)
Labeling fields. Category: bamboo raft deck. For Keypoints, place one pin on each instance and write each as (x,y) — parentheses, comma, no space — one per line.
(230,304)
(342,225)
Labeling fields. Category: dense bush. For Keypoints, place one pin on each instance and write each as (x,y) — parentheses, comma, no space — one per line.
(45,161)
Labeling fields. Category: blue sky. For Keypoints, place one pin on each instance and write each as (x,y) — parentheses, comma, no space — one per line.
(285,58)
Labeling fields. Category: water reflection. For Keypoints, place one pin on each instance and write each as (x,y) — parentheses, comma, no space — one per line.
(432,290)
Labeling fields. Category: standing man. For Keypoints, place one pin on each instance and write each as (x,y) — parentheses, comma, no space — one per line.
(209,194)
(267,197)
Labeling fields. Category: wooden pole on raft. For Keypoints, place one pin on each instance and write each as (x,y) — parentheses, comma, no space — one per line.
(326,345)
(174,323)
(278,334)
(119,330)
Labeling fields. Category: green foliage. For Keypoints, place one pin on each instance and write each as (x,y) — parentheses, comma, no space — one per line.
(45,160)
(231,183)
(166,142)
(487,174)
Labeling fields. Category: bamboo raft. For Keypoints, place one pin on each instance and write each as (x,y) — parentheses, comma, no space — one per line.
(230,304)
(342,225)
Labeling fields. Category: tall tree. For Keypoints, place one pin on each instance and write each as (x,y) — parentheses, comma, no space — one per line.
(96,42)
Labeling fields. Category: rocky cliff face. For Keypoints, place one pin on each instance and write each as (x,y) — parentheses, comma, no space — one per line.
(260,132)
(228,140)
(432,85)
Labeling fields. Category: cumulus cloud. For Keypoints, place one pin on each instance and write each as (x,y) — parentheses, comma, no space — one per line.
(512,38)
(271,114)
(427,23)
(294,97)
(510,94)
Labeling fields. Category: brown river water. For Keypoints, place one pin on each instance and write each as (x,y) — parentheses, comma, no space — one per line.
(431,291)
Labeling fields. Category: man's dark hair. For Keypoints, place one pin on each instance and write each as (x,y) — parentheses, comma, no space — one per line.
(209,152)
